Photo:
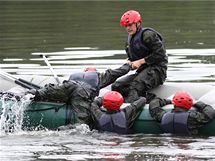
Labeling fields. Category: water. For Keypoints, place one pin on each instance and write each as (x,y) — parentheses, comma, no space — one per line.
(75,35)
(85,145)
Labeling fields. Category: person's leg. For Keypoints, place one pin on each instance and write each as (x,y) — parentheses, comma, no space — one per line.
(147,79)
(80,103)
(122,85)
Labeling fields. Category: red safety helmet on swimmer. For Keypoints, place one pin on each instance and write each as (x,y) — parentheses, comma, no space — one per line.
(130,17)
(183,99)
(112,100)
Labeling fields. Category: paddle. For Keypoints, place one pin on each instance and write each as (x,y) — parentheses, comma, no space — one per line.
(19,81)
(50,67)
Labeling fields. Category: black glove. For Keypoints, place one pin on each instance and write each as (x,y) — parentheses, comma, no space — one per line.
(199,105)
(168,101)
(31,91)
(34,93)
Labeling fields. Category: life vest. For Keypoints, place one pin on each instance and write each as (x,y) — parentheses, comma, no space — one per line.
(90,78)
(136,49)
(115,122)
(175,122)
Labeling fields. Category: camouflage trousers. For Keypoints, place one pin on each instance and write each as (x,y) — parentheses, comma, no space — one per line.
(138,84)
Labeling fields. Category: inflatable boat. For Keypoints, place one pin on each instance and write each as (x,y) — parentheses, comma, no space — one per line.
(52,115)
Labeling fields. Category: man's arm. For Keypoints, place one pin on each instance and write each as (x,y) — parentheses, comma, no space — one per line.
(156,46)
(133,110)
(155,108)
(206,112)
(96,110)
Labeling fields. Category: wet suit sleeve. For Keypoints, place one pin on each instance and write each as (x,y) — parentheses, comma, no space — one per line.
(95,107)
(156,46)
(110,75)
(155,108)
(133,110)
(53,92)
(96,111)
(205,112)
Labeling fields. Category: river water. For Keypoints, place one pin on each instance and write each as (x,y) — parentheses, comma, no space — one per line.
(74,35)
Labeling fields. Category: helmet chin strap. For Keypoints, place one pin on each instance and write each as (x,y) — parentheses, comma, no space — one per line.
(138,26)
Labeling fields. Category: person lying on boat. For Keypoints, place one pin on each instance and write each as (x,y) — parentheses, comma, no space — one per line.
(100,80)
(146,52)
(107,115)
(181,120)
(80,90)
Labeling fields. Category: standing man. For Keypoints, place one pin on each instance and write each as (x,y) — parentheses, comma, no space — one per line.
(146,53)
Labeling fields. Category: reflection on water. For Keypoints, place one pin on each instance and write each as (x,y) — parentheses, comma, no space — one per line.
(183,65)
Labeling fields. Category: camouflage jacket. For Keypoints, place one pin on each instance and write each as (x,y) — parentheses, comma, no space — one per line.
(148,44)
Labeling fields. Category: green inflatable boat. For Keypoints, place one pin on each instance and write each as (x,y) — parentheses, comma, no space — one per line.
(52,115)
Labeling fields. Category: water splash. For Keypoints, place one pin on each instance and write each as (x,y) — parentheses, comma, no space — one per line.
(11,112)
(75,129)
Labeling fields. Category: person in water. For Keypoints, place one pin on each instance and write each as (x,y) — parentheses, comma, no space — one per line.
(181,120)
(79,91)
(107,115)
(146,53)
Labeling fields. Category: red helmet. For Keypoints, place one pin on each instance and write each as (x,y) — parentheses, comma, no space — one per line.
(183,100)
(130,17)
(112,100)
(90,69)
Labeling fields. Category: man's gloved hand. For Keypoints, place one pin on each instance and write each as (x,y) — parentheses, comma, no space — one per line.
(31,94)
(31,91)
(168,101)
